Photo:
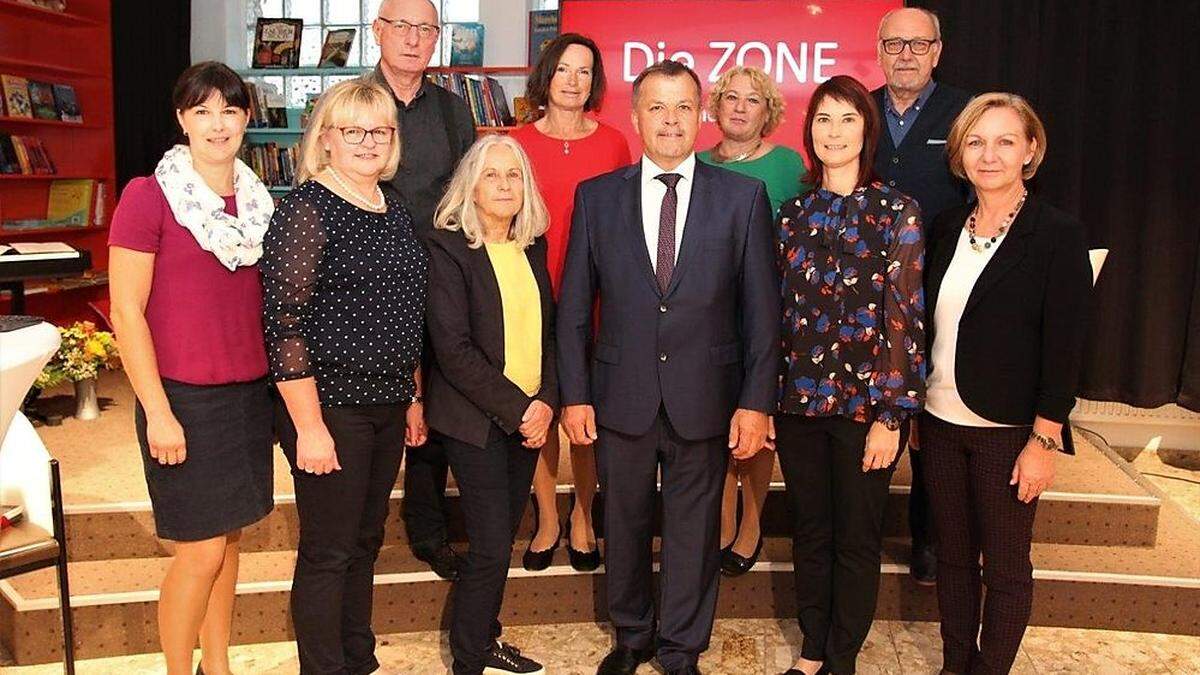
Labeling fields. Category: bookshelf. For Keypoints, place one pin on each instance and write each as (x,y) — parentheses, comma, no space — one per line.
(290,134)
(79,151)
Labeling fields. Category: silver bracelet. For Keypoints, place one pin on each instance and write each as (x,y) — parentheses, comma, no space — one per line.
(1045,441)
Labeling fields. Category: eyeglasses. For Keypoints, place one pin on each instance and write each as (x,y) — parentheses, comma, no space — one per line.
(918,46)
(425,31)
(356,135)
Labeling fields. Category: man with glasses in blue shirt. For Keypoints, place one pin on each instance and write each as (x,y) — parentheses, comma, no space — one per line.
(912,159)
(436,129)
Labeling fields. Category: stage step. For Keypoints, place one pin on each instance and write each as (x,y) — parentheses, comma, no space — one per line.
(1153,589)
(1095,502)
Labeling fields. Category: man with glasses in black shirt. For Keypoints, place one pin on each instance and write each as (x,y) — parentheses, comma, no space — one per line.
(912,159)
(436,129)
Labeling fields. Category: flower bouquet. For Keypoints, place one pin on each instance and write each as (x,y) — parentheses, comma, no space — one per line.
(83,352)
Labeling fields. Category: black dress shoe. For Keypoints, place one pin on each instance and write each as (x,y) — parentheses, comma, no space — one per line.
(536,561)
(443,560)
(582,561)
(686,670)
(923,566)
(734,564)
(623,660)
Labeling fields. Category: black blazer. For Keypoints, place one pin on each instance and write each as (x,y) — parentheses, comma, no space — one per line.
(919,168)
(1020,337)
(706,346)
(466,390)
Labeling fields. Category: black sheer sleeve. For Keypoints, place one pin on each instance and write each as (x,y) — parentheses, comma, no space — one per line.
(292,251)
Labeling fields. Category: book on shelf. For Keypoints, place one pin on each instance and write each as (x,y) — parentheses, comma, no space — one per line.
(16,96)
(275,164)
(29,153)
(310,104)
(25,251)
(543,28)
(70,202)
(267,106)
(66,104)
(336,50)
(522,110)
(277,43)
(466,44)
(52,5)
(10,515)
(485,97)
(41,99)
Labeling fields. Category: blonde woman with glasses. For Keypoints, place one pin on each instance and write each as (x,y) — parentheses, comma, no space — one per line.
(493,388)
(345,281)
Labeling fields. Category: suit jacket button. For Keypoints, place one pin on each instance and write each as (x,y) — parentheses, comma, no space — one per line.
(895,160)
(892,183)
(662,357)
(662,309)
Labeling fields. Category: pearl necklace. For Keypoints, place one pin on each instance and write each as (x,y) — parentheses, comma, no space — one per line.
(1000,232)
(377,205)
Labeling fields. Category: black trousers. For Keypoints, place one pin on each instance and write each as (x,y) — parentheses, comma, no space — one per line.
(493,484)
(424,511)
(342,516)
(977,513)
(837,516)
(693,474)
(920,514)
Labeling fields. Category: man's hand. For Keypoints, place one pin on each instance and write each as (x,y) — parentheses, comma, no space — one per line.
(747,432)
(579,421)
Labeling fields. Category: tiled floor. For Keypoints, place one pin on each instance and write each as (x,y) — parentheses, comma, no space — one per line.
(739,647)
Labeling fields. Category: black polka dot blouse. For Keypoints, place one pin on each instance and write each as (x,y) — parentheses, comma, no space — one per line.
(345,297)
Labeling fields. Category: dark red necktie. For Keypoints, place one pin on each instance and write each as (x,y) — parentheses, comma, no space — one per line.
(666,230)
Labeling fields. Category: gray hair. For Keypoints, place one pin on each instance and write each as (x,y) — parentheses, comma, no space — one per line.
(457,210)
(930,14)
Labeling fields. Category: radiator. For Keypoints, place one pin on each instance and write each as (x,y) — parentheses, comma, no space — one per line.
(1122,425)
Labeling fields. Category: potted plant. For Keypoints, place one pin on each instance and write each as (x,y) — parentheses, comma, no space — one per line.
(83,352)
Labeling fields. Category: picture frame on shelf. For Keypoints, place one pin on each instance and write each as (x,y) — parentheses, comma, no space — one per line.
(277,43)
(336,50)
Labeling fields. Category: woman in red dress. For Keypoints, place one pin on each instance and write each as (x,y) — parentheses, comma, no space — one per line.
(565,147)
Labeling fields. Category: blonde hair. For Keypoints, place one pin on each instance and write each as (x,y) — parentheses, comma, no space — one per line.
(1034,130)
(457,210)
(762,83)
(345,102)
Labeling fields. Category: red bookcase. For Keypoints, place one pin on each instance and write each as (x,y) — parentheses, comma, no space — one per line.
(75,48)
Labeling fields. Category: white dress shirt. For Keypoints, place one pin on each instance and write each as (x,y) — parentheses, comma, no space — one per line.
(653,192)
(941,391)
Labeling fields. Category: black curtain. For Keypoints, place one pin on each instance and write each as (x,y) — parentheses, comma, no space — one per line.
(151,42)
(1112,81)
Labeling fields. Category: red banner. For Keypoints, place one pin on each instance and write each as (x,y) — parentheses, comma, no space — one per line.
(800,44)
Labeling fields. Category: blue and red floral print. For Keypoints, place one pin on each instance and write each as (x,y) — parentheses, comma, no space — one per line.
(853,305)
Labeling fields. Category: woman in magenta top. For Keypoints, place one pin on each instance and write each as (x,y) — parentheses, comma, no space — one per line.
(187,308)
(566,147)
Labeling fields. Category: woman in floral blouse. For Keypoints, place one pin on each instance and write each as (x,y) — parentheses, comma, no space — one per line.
(850,253)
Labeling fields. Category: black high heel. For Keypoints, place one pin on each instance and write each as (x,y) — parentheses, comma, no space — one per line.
(734,564)
(536,561)
(582,561)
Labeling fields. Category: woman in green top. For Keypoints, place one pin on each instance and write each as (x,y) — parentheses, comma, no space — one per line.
(748,108)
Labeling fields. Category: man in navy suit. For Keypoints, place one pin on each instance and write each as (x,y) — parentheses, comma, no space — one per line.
(683,365)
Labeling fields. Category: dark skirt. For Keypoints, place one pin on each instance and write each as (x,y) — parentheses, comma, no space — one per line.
(226,481)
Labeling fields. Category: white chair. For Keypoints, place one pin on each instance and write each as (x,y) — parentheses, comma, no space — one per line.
(29,477)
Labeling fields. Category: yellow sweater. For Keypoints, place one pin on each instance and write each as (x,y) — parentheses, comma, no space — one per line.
(522,311)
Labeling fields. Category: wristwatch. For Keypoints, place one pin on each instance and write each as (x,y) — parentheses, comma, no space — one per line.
(1045,441)
(891,424)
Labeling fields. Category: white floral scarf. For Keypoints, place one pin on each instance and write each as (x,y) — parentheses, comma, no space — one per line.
(235,241)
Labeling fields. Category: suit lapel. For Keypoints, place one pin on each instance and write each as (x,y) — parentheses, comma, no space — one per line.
(634,234)
(887,147)
(698,207)
(939,262)
(1011,251)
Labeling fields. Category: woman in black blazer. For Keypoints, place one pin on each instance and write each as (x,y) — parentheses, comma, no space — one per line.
(1007,286)
(493,388)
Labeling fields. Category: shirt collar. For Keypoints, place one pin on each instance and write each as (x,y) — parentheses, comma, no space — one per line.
(650,170)
(382,81)
(922,97)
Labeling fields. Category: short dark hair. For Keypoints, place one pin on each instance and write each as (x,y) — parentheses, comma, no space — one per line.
(537,88)
(847,90)
(198,82)
(666,68)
